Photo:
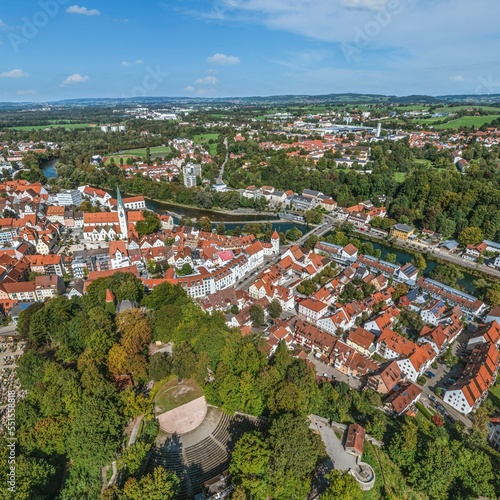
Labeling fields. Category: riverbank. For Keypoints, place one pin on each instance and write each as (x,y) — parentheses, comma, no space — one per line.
(405,253)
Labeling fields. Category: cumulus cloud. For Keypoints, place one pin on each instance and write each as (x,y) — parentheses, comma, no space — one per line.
(125,63)
(26,92)
(189,88)
(15,73)
(139,61)
(208,80)
(75,9)
(75,78)
(223,59)
(457,78)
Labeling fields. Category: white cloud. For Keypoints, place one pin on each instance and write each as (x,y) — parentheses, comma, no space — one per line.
(15,73)
(223,59)
(459,37)
(457,78)
(26,92)
(208,80)
(189,88)
(75,78)
(75,9)
(139,61)
(2,24)
(125,63)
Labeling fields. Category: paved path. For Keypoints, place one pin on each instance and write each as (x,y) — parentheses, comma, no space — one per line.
(221,171)
(135,430)
(9,330)
(333,445)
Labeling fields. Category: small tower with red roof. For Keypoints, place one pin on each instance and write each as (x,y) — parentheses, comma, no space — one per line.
(275,241)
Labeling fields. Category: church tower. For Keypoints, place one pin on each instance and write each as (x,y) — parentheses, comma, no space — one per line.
(122,215)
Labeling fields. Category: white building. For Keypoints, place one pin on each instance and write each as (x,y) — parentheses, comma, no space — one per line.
(190,172)
(69,197)
(312,310)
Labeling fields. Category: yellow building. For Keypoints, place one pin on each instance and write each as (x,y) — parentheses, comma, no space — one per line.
(402,231)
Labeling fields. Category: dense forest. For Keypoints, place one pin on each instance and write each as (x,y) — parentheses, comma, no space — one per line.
(86,369)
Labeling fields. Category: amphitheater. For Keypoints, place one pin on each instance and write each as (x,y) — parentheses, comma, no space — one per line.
(203,453)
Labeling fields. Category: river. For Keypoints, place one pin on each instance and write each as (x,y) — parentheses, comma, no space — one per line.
(403,257)
(233,220)
(230,220)
(49,169)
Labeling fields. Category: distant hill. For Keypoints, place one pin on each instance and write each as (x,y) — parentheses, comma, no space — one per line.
(338,99)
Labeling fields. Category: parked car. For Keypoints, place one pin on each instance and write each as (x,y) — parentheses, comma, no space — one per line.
(429,374)
(432,397)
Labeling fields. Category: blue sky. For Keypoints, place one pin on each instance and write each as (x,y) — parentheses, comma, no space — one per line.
(57,49)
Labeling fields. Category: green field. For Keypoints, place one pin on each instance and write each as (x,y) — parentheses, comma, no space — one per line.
(413,107)
(142,151)
(399,176)
(468,121)
(453,109)
(429,121)
(53,125)
(424,163)
(174,394)
(200,138)
(203,140)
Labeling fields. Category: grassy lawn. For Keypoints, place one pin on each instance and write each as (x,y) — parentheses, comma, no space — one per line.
(494,395)
(205,137)
(173,394)
(53,125)
(399,176)
(424,163)
(203,140)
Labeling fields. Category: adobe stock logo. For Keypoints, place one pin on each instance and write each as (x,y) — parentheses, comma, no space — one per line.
(487,86)
(363,35)
(32,25)
(150,82)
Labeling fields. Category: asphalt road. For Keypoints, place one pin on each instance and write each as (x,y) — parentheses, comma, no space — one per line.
(322,368)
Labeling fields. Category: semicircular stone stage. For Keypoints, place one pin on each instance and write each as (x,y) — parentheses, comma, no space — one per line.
(185,418)
(203,453)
